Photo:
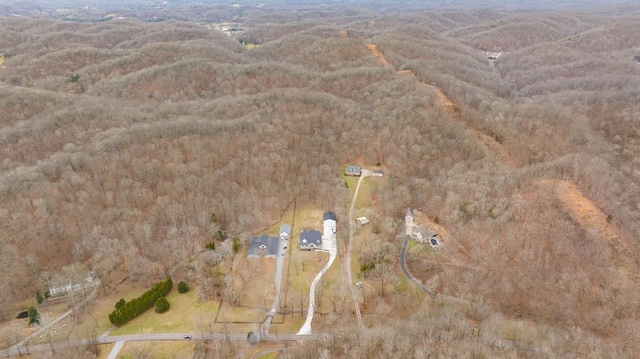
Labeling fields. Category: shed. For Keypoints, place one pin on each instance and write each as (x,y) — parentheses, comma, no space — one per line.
(363,220)
(285,231)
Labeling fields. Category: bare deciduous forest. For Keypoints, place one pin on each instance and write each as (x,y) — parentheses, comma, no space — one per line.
(120,138)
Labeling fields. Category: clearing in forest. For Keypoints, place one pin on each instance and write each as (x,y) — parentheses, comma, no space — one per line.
(589,216)
(452,110)
(375,52)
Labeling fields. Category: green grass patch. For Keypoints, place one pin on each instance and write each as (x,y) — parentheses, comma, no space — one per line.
(291,324)
(184,316)
(229,313)
(269,356)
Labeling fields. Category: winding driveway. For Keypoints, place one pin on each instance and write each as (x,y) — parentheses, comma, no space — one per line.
(333,251)
(406,271)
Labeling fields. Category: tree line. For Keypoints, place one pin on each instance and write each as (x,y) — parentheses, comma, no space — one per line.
(125,311)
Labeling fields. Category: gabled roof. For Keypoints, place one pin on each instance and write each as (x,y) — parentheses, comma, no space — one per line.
(310,238)
(353,169)
(329,216)
(263,243)
(409,213)
(424,231)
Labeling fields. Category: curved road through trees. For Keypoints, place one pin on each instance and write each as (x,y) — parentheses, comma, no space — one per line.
(406,271)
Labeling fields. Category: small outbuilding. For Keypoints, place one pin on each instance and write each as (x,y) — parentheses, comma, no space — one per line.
(377,172)
(363,220)
(285,232)
(353,170)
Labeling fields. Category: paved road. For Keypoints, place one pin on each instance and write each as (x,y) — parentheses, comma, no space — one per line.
(406,271)
(146,337)
(113,354)
(349,279)
(40,331)
(277,281)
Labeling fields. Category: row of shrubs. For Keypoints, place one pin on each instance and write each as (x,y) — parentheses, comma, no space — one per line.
(125,311)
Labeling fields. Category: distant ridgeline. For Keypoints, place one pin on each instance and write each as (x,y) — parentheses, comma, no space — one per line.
(129,310)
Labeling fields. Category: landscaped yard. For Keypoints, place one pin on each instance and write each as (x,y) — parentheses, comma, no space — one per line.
(186,315)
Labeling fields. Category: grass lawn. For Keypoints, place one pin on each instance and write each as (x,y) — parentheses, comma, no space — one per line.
(291,325)
(269,356)
(185,315)
(229,313)
(157,350)
(299,279)
(105,350)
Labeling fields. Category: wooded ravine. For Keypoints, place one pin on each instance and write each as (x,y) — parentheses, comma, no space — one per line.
(120,138)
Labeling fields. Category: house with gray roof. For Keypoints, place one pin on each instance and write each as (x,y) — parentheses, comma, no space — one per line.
(353,170)
(263,245)
(423,234)
(310,239)
(408,217)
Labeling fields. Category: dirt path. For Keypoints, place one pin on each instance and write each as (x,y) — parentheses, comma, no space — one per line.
(379,55)
(589,216)
(452,110)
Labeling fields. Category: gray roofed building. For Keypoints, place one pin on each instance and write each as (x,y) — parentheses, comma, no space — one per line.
(329,215)
(310,239)
(285,231)
(422,233)
(377,172)
(408,217)
(353,170)
(263,244)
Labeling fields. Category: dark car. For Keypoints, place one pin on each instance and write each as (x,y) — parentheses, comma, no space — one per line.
(188,336)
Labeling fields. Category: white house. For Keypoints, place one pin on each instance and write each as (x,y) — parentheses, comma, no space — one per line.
(329,225)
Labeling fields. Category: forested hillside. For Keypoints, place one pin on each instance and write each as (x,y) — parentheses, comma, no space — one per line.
(120,138)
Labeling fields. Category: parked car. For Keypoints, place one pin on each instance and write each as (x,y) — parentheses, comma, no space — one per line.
(188,336)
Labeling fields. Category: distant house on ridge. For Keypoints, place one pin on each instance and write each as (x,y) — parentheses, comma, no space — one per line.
(353,170)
